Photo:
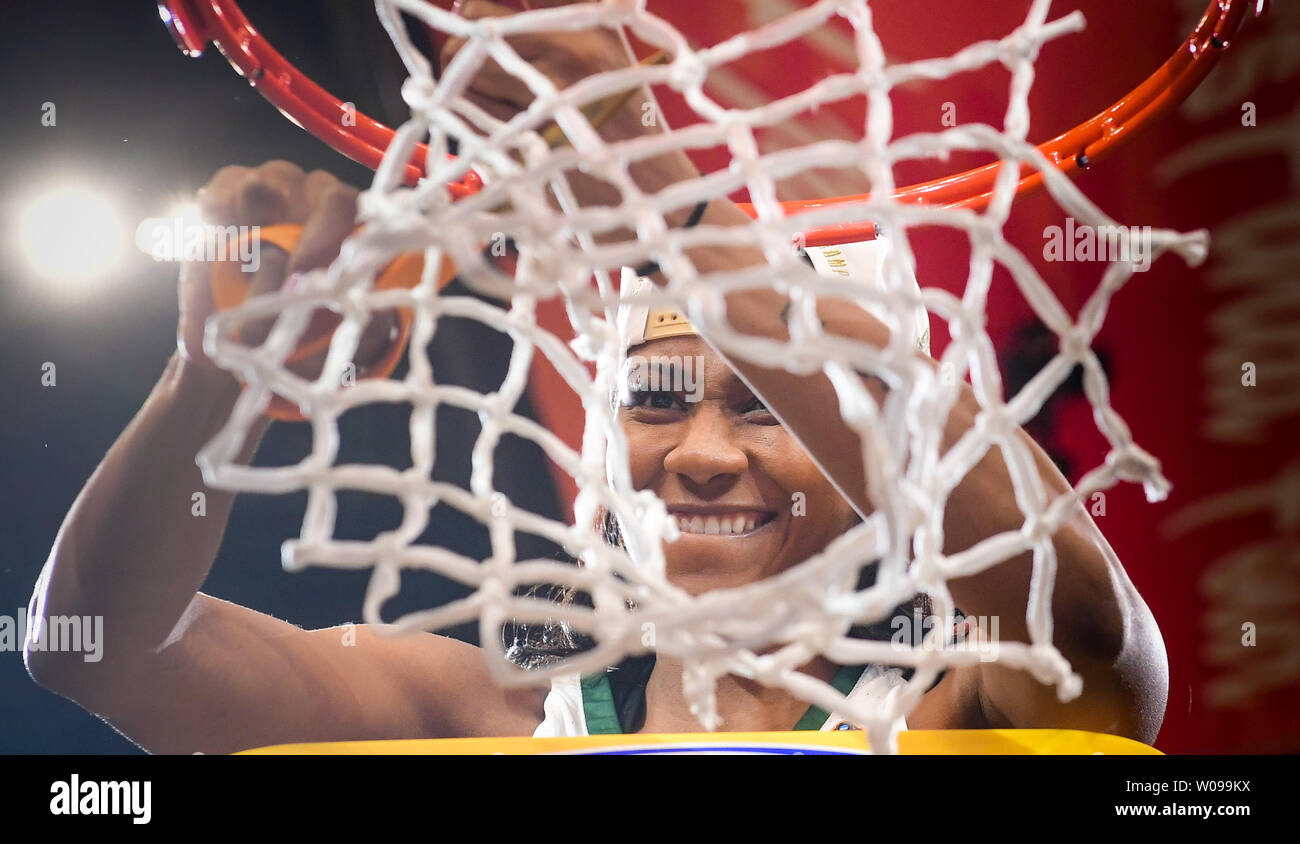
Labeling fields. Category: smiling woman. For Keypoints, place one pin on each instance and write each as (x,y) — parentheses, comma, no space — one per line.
(748,502)
(720,461)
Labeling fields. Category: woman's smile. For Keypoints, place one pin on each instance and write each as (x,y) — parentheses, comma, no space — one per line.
(723,523)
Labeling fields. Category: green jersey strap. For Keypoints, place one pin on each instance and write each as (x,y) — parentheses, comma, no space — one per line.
(843,682)
(598,705)
(602,717)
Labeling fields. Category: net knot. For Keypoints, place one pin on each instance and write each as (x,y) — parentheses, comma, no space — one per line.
(1037,529)
(993,424)
(1132,463)
(495,406)
(687,71)
(1075,346)
(1021,45)
(418,93)
(495,591)
(985,232)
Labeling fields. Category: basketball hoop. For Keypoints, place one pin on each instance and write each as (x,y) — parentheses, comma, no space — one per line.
(196,23)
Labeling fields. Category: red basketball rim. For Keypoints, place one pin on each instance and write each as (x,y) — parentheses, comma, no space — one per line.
(196,23)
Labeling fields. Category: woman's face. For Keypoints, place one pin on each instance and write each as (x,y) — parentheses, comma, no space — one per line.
(748,499)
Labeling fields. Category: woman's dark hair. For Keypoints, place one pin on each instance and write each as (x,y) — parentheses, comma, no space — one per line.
(533,646)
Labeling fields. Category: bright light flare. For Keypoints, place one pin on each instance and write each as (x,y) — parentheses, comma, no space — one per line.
(162,237)
(72,235)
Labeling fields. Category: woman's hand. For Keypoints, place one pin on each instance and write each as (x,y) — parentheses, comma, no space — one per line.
(567,58)
(275,192)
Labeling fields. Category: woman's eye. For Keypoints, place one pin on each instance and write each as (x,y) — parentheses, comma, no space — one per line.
(654,399)
(756,412)
(660,400)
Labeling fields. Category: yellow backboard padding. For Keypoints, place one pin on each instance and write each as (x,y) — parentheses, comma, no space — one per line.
(910,742)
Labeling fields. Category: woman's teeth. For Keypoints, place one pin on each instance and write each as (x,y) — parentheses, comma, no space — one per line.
(722,525)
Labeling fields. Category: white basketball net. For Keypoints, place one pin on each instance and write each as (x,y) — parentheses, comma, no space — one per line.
(768,629)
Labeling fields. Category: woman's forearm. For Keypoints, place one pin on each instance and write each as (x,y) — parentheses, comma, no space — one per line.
(140,538)
(1099,622)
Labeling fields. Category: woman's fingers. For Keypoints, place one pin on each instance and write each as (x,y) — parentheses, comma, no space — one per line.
(563,57)
(316,183)
(272,194)
(254,196)
(472,10)
(548,4)
(272,269)
(332,218)
(491,79)
(217,199)
(275,193)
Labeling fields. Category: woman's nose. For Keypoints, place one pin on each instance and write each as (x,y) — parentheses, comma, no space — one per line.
(707,448)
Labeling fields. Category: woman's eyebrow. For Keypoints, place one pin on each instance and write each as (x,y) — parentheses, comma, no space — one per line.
(734,383)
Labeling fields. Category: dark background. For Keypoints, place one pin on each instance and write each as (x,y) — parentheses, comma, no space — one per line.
(151,126)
